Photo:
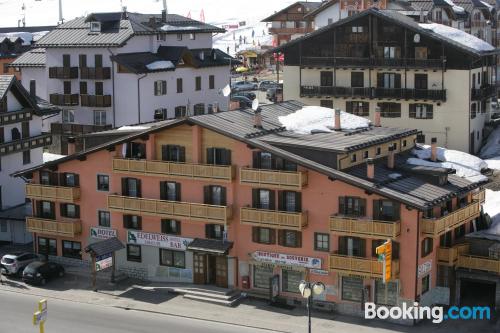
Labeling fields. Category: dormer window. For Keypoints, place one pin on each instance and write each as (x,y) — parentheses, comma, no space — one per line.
(95,26)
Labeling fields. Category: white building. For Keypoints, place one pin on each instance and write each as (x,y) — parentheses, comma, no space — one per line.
(125,68)
(21,146)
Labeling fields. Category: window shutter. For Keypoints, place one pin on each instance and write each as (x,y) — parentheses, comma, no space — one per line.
(223,194)
(256,160)
(413,112)
(227,157)
(272,236)
(125,221)
(139,222)
(155,86)
(164,152)
(395,250)
(376,209)
(422,248)
(255,234)
(396,210)
(397,81)
(341,205)
(77,211)
(124,186)
(255,198)
(178,191)
(299,239)
(139,195)
(281,237)
(163,190)
(53,179)
(281,197)
(62,179)
(348,107)
(362,247)
(380,80)
(206,195)
(298,202)
(164,87)
(210,155)
(272,203)
(342,245)
(362,207)
(182,154)
(62,208)
(52,210)
(208,229)
(77,180)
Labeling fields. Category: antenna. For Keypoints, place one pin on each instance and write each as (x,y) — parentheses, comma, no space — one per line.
(23,20)
(255,104)
(61,20)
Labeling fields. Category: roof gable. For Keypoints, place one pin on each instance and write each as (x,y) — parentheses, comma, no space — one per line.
(305,8)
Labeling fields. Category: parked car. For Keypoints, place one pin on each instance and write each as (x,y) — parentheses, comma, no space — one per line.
(15,263)
(244,101)
(242,86)
(271,93)
(264,85)
(248,94)
(39,272)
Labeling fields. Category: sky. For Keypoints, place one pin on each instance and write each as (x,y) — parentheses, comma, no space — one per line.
(45,12)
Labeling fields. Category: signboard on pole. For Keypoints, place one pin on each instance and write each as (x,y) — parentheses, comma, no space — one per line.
(103,261)
(287,259)
(157,240)
(40,316)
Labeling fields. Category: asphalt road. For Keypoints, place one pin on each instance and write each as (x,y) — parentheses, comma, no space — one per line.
(16,313)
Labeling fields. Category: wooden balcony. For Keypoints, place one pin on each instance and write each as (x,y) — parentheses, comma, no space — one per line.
(367,267)
(438,226)
(55,193)
(170,209)
(95,73)
(67,228)
(13,117)
(101,101)
(174,169)
(273,218)
(64,99)
(469,261)
(350,62)
(448,256)
(25,144)
(283,180)
(362,227)
(63,73)
(75,129)
(289,31)
(479,196)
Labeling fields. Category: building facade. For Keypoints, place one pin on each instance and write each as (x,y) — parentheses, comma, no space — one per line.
(417,74)
(233,199)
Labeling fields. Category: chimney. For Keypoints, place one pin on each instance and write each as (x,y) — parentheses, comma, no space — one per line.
(377,116)
(71,145)
(390,158)
(370,168)
(152,22)
(337,120)
(257,118)
(164,16)
(434,149)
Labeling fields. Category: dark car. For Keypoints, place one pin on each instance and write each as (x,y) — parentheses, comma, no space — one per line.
(39,272)
(272,92)
(264,85)
(247,94)
(244,101)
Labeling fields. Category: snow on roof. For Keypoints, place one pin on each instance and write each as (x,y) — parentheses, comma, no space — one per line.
(458,36)
(47,157)
(395,175)
(168,27)
(317,118)
(456,9)
(491,148)
(491,206)
(133,128)
(162,64)
(490,7)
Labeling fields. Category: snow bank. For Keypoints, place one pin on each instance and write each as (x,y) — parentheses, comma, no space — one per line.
(317,118)
(458,36)
(492,207)
(47,157)
(492,146)
(163,64)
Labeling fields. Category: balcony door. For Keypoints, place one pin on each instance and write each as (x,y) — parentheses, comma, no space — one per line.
(421,81)
(352,246)
(326,79)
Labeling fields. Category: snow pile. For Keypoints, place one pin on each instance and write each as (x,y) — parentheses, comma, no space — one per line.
(162,64)
(458,36)
(47,157)
(456,9)
(493,163)
(492,146)
(253,36)
(466,165)
(395,175)
(317,118)
(168,27)
(491,206)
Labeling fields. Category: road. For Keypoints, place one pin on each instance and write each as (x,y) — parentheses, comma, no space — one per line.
(16,313)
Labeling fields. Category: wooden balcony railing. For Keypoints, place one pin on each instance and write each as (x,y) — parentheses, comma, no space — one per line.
(64,99)
(102,101)
(49,192)
(448,256)
(24,144)
(479,196)
(372,62)
(174,169)
(287,31)
(438,226)
(170,209)
(95,73)
(481,263)
(368,267)
(483,92)
(63,72)
(67,128)
(363,227)
(292,180)
(13,117)
(67,228)
(273,218)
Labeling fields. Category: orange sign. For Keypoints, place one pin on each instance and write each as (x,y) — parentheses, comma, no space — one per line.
(385,253)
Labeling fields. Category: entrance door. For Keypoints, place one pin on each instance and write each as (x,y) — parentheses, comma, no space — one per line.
(221,271)
(200,268)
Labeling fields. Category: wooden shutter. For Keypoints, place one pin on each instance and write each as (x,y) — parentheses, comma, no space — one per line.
(348,106)
(341,205)
(163,190)
(223,194)
(281,237)
(281,198)
(62,179)
(272,201)
(255,234)
(139,193)
(126,219)
(272,236)
(139,222)
(298,243)
(362,247)
(53,179)
(52,210)
(395,250)
(342,245)
(77,180)
(155,88)
(380,80)
(396,210)
(298,202)
(124,186)
(255,198)
(362,207)
(164,152)
(63,210)
(206,195)
(77,211)
(182,154)
(397,81)
(178,191)
(208,231)
(164,87)
(376,209)
(210,155)
(227,157)
(256,159)
(413,111)
(98,60)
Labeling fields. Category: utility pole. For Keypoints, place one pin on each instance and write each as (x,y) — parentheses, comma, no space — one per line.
(61,20)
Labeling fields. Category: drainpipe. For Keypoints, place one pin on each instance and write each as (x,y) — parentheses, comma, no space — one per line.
(113,85)
(139,97)
(416,261)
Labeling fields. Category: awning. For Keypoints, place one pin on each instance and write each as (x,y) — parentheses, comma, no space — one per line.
(213,246)
(105,246)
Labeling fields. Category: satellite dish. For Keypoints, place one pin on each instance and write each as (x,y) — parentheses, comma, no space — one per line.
(255,104)
(416,38)
(226,91)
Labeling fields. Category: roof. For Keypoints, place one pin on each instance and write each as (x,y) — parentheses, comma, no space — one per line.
(239,126)
(324,5)
(407,22)
(308,6)
(16,213)
(27,29)
(31,58)
(210,245)
(105,246)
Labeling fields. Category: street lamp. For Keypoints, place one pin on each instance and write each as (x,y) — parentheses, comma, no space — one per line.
(307,289)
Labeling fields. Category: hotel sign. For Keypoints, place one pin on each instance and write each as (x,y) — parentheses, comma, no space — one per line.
(287,259)
(157,240)
(102,233)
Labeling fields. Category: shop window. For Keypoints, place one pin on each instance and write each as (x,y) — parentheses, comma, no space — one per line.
(169,226)
(321,242)
(386,293)
(134,253)
(262,276)
(426,284)
(72,249)
(172,258)
(214,231)
(132,222)
(291,280)
(352,289)
(47,246)
(263,235)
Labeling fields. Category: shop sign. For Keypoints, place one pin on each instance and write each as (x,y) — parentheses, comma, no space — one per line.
(319,272)
(104,261)
(157,240)
(286,259)
(424,268)
(102,233)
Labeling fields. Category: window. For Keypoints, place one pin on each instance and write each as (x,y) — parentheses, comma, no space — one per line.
(389,80)
(70,210)
(170,191)
(421,81)
(179,37)
(214,231)
(361,109)
(352,206)
(70,179)
(46,209)
(172,258)
(134,253)
(214,195)
(265,160)
(169,226)
(365,154)
(99,88)
(72,249)
(47,246)
(199,109)
(421,111)
(390,52)
(3,226)
(197,81)
(100,118)
(263,235)
(32,88)
(68,116)
(261,276)
(426,284)
(357,79)
(95,26)
(473,111)
(135,150)
(385,210)
(358,29)
(426,247)
(83,88)
(66,60)
(5,68)
(405,143)
(67,87)
(326,78)
(326,103)
(192,36)
(386,294)
(263,199)
(132,222)
(353,158)
(321,242)
(390,110)
(160,114)
(82,60)
(98,60)
(218,156)
(25,129)
(352,289)
(26,157)
(160,87)
(104,218)
(459,232)
(211,82)
(179,85)
(180,111)
(173,153)
(289,238)
(3,104)
(102,182)
(352,246)
(161,37)
(131,187)
(291,280)
(378,151)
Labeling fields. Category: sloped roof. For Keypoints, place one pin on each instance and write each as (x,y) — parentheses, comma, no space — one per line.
(308,6)
(31,58)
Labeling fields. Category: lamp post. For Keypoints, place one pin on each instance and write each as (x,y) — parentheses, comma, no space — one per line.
(231,89)
(307,289)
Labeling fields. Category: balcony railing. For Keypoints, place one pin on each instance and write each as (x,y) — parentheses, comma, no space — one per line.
(95,73)
(64,99)
(368,267)
(13,117)
(448,256)
(170,209)
(483,92)
(289,30)
(438,226)
(372,62)
(25,144)
(293,180)
(49,192)
(362,227)
(481,263)
(67,228)
(63,72)
(398,93)
(102,101)
(479,196)
(273,218)
(174,169)
(67,128)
